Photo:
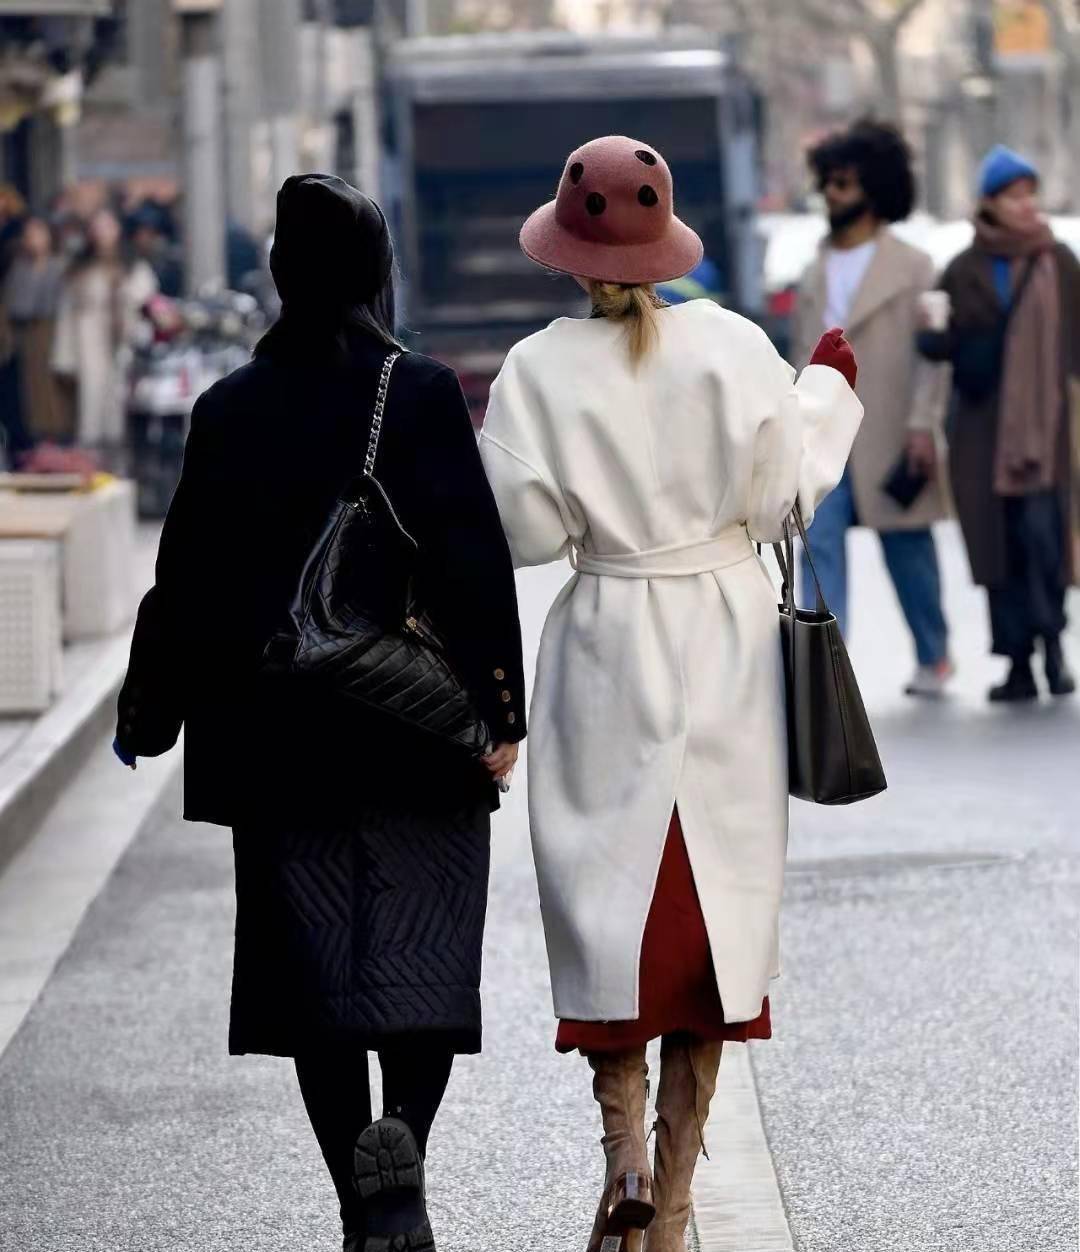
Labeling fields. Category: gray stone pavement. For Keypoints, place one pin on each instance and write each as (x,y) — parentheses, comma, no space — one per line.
(919,1092)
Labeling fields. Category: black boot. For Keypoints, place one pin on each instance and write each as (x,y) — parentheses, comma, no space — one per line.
(1058,675)
(1020,684)
(389,1173)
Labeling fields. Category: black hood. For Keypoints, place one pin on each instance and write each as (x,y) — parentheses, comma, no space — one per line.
(332,246)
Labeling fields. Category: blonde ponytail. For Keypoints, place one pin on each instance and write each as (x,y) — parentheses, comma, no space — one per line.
(636,306)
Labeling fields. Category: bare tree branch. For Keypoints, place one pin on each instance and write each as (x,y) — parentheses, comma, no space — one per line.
(820,11)
(839,18)
(1065,20)
(905,13)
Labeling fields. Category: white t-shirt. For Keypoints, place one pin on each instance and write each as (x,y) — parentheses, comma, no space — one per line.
(845,269)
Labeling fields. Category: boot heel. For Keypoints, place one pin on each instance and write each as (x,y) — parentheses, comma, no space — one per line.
(626,1205)
(632,1206)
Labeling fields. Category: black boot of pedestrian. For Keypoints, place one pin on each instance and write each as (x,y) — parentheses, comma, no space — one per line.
(389,1173)
(1019,686)
(1059,677)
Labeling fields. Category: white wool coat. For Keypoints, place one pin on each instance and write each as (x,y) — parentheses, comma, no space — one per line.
(88,347)
(659,680)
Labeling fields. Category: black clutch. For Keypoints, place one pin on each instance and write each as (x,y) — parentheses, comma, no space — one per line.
(832,755)
(904,484)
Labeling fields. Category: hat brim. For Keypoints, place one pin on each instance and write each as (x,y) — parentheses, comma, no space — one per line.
(674,254)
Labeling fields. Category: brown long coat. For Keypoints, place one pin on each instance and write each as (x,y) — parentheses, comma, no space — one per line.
(899,390)
(969,280)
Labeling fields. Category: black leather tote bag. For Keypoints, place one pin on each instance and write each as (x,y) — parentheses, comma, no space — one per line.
(832,755)
(354,627)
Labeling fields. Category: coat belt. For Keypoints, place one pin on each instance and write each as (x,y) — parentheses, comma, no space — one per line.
(730,547)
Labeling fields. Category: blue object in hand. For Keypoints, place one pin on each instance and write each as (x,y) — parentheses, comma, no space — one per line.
(125,757)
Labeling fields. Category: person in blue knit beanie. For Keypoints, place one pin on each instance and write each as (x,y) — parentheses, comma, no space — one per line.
(1001,167)
(1014,344)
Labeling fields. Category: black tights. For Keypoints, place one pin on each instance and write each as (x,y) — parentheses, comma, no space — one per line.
(335,1084)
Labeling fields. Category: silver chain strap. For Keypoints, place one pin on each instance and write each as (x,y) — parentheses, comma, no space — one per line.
(377,416)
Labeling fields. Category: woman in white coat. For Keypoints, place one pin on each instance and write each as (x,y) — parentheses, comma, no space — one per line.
(652,445)
(96,329)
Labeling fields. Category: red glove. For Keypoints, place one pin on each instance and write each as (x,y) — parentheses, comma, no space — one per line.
(835,351)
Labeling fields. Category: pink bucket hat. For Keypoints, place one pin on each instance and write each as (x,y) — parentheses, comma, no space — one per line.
(613,218)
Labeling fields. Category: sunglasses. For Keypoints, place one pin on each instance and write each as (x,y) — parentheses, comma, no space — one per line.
(839,179)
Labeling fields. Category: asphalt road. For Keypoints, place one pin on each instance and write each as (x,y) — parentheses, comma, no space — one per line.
(919,1092)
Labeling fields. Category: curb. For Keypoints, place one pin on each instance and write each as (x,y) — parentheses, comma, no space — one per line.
(36,770)
(738,1206)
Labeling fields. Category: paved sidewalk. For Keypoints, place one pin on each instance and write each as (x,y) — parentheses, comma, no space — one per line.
(40,754)
(920,1092)
(918,1095)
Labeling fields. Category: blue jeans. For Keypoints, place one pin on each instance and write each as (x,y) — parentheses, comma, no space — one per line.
(910,556)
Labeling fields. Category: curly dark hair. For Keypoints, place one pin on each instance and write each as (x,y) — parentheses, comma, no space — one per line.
(881,157)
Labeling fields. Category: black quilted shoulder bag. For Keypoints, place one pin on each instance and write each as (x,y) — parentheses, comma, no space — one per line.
(832,755)
(354,627)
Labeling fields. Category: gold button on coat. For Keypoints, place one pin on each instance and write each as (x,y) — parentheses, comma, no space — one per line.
(505,697)
(500,674)
(511,718)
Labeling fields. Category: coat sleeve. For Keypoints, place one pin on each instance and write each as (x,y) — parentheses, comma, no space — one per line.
(150,708)
(141,285)
(805,332)
(466,574)
(1070,276)
(803,437)
(65,354)
(932,383)
(938,346)
(534,516)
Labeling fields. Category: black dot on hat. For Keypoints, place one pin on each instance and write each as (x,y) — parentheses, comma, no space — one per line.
(648,197)
(646,158)
(576,171)
(595,203)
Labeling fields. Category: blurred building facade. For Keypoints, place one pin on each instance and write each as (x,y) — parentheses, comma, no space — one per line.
(968,73)
(99,96)
(93,90)
(49,51)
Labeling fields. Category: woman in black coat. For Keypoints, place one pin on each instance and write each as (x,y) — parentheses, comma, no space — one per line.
(361,844)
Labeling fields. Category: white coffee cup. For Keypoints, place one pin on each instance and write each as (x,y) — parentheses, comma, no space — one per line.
(936,308)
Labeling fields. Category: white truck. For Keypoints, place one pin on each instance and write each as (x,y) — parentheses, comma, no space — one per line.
(477,130)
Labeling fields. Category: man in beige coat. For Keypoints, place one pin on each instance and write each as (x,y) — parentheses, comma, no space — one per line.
(870,282)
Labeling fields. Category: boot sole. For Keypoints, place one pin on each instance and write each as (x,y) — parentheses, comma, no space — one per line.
(389,1177)
(1021,697)
(616,1236)
(414,1241)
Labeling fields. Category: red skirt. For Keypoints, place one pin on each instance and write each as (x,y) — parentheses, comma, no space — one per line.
(678,982)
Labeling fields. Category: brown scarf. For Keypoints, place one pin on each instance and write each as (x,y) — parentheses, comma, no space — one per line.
(1031,403)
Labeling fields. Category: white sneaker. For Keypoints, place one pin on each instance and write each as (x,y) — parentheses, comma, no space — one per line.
(931,681)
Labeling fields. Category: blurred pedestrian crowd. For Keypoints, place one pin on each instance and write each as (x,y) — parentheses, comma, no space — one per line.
(970,379)
(84,289)
(971,385)
(72,288)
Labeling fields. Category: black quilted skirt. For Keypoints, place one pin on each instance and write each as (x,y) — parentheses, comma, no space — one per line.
(360,930)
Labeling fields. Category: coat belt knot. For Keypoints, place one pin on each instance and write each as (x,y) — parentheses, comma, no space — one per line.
(702,556)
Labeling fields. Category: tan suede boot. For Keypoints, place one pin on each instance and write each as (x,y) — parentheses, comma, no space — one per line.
(626,1208)
(688,1071)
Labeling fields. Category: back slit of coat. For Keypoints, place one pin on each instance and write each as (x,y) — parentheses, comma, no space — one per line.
(675,953)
